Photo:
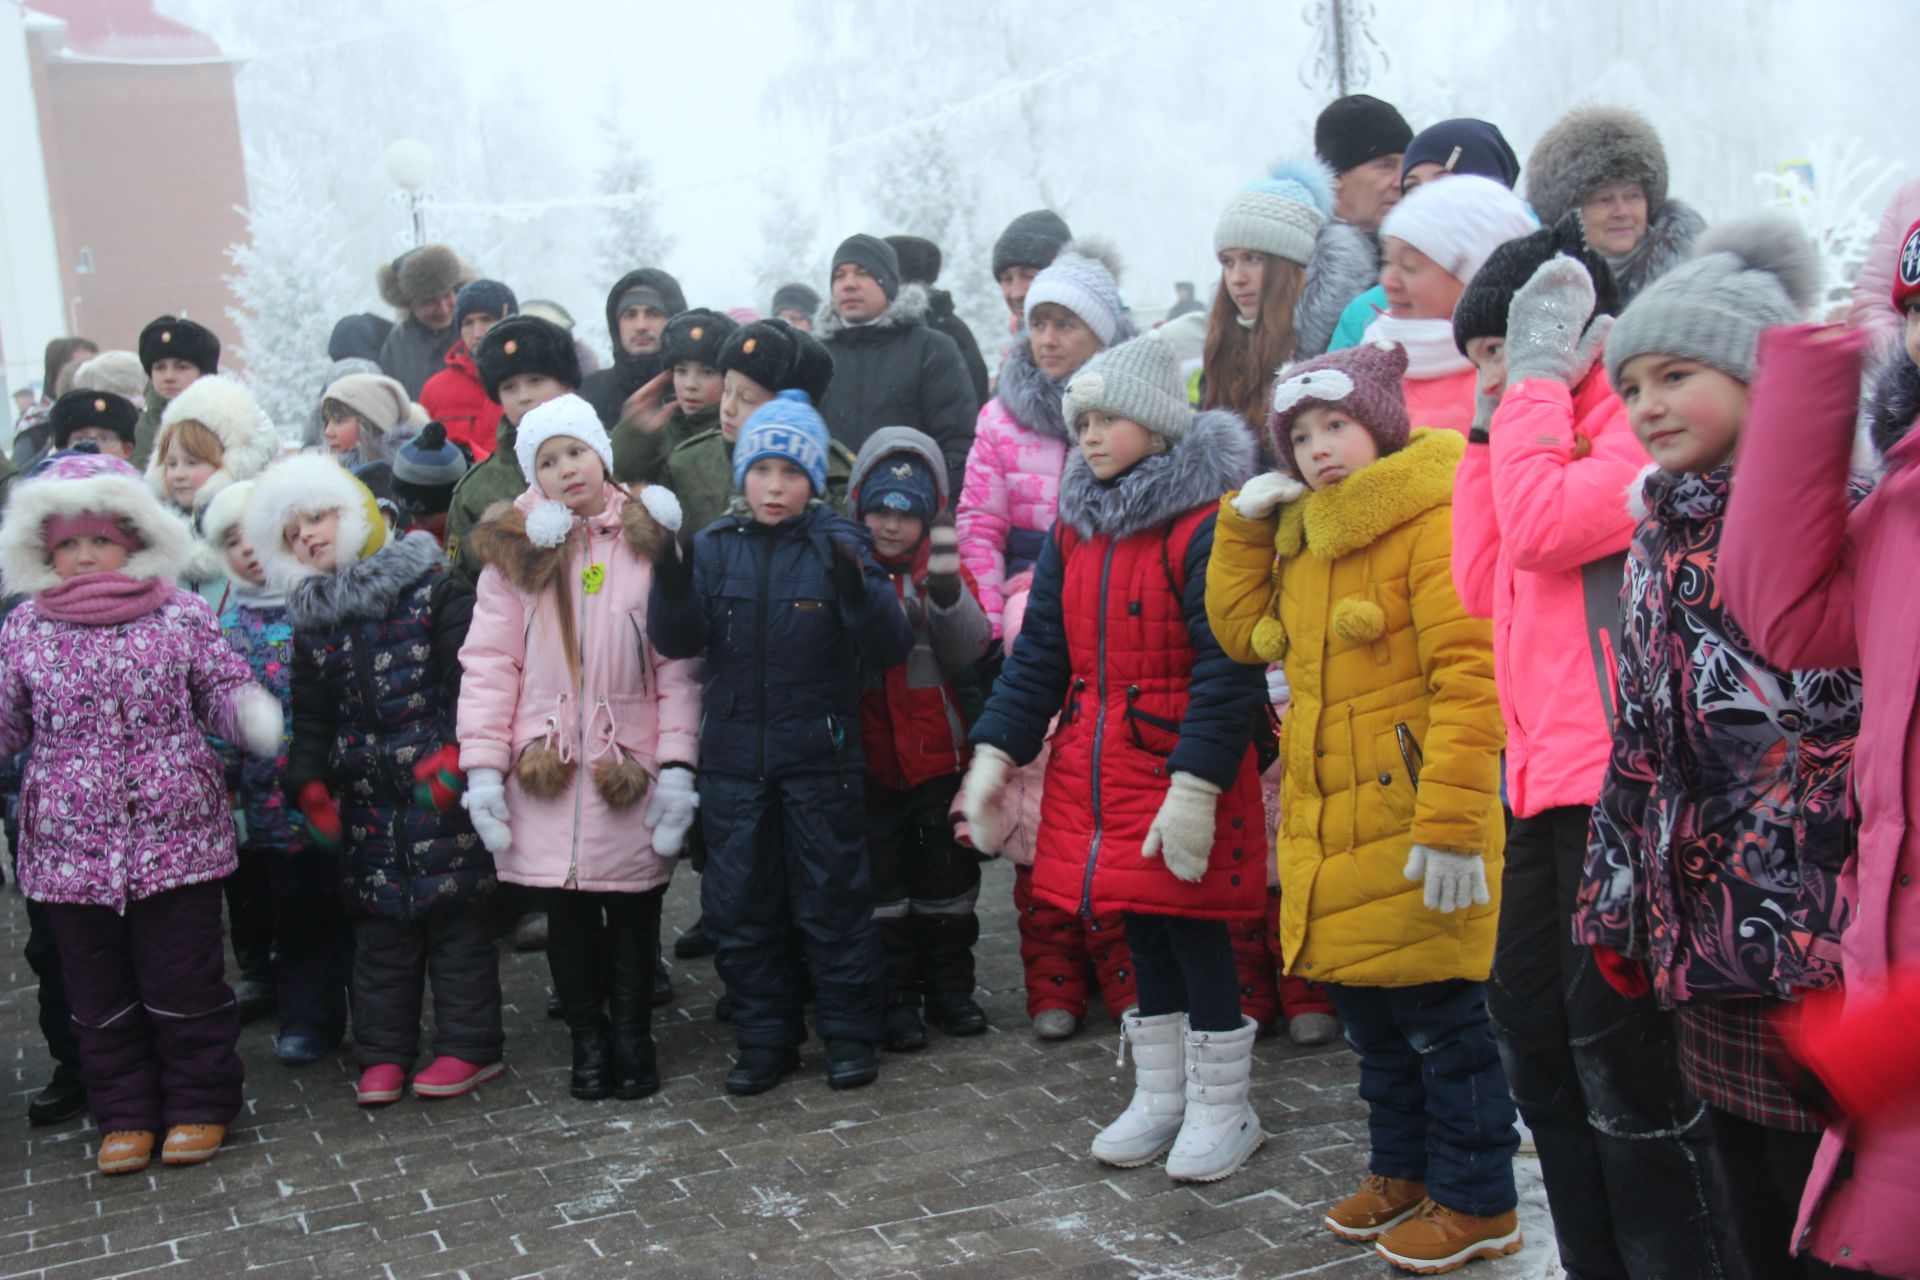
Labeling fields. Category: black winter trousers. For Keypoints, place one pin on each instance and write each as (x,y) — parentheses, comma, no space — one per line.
(1185,966)
(394,960)
(925,886)
(787,864)
(43,958)
(313,942)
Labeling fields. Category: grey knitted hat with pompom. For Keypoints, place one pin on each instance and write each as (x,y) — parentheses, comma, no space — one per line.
(1745,275)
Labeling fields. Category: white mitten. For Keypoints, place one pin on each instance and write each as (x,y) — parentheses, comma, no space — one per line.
(670,808)
(983,796)
(486,804)
(1453,880)
(663,505)
(261,721)
(1263,493)
(1182,832)
(1278,690)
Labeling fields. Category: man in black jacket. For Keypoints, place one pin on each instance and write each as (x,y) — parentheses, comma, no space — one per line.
(638,308)
(890,368)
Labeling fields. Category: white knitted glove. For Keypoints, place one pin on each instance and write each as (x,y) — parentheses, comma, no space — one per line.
(1182,832)
(486,803)
(1263,493)
(262,723)
(1453,880)
(983,797)
(1278,690)
(1544,338)
(670,809)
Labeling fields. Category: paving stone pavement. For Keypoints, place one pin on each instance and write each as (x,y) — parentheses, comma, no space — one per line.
(966,1160)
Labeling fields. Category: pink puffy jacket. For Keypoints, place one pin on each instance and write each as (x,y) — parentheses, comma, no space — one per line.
(1539,519)
(516,691)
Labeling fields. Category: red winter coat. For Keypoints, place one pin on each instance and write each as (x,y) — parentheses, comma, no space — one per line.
(456,400)
(1117,642)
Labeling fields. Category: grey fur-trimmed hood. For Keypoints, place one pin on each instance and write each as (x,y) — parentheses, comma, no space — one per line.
(1667,244)
(1344,266)
(1216,456)
(888,441)
(1030,397)
(365,590)
(910,306)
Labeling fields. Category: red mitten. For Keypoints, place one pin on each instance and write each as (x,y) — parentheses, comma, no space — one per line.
(1850,1056)
(439,780)
(321,813)
(1622,974)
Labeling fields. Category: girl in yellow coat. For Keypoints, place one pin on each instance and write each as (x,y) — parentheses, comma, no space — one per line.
(1391,830)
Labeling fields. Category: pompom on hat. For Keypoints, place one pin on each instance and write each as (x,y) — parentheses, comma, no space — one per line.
(1281,214)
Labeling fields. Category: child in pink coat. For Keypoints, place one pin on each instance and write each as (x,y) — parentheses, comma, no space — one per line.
(569,719)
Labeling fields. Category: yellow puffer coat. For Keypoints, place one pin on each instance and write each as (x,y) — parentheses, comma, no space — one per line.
(1394,733)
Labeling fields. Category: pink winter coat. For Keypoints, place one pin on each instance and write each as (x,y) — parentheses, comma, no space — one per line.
(1816,586)
(517,692)
(1539,520)
(1012,488)
(1446,401)
(1872,307)
(122,799)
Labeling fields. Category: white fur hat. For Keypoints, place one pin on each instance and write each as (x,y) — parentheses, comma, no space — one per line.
(223,405)
(306,485)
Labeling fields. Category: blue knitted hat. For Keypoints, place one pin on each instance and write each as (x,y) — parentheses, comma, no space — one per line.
(789,427)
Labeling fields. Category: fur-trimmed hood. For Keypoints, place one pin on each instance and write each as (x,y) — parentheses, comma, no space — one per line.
(24,563)
(911,306)
(891,440)
(500,538)
(1031,398)
(1893,403)
(308,485)
(1344,266)
(1216,456)
(365,590)
(1374,500)
(1668,243)
(223,405)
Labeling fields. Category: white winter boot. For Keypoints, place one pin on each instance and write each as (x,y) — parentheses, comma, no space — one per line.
(1152,1120)
(1221,1129)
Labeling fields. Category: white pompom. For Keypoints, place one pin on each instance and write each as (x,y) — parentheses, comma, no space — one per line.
(549,524)
(663,506)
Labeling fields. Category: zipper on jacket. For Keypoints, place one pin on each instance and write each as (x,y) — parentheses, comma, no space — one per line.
(1099,734)
(760,663)
(1410,753)
(579,703)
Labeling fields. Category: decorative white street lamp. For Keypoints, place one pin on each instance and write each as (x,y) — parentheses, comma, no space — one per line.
(408,162)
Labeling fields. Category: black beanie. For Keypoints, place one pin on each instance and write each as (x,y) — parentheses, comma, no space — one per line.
(779,357)
(78,410)
(919,258)
(698,334)
(182,340)
(1031,240)
(526,344)
(1464,146)
(1482,309)
(1358,128)
(873,256)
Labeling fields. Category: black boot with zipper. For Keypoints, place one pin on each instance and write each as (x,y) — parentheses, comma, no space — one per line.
(574,958)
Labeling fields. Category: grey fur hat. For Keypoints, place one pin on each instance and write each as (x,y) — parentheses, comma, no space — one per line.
(1745,275)
(1588,148)
(420,274)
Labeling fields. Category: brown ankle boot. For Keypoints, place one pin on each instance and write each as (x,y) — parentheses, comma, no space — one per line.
(1438,1239)
(125,1151)
(1377,1205)
(192,1143)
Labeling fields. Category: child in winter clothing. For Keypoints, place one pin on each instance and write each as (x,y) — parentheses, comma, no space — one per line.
(1540,525)
(1391,830)
(690,349)
(377,632)
(311,935)
(175,353)
(1433,243)
(117,676)
(569,719)
(366,416)
(426,471)
(212,434)
(1151,795)
(524,362)
(99,417)
(1816,580)
(1012,486)
(914,736)
(455,397)
(783,598)
(1722,822)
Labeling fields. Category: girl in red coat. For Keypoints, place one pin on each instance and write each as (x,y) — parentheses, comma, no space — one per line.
(1152,802)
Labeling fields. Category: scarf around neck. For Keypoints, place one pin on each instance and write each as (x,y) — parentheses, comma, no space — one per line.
(103,599)
(1429,344)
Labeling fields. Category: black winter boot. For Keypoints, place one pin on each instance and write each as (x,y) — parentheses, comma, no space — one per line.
(759,1068)
(957,1013)
(901,1031)
(851,1064)
(63,1099)
(574,959)
(634,936)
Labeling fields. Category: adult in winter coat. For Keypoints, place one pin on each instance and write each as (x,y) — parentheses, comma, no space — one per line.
(783,599)
(889,368)
(420,284)
(1607,164)
(455,397)
(1152,798)
(1540,528)
(920,264)
(1020,442)
(638,308)
(376,670)
(569,718)
(1817,584)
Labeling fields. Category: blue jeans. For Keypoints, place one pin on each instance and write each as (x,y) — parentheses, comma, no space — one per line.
(1438,1107)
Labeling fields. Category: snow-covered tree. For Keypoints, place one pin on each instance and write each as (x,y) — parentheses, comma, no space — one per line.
(920,188)
(1839,208)
(291,282)
(789,241)
(630,233)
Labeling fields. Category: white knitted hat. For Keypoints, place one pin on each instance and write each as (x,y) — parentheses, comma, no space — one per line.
(1084,278)
(1458,222)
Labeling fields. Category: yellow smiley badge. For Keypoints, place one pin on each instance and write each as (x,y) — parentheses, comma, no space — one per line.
(592,577)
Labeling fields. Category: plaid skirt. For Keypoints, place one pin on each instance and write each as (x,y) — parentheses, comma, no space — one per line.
(1724,1059)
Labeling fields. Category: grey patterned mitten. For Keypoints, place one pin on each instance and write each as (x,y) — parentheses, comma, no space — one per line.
(1545,324)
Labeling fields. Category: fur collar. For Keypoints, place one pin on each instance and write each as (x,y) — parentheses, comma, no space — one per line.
(1343,266)
(1374,500)
(1665,246)
(500,539)
(365,590)
(1894,403)
(1215,457)
(910,307)
(1030,397)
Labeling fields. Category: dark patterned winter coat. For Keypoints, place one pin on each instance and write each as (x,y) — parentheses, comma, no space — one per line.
(376,671)
(258,630)
(1721,825)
